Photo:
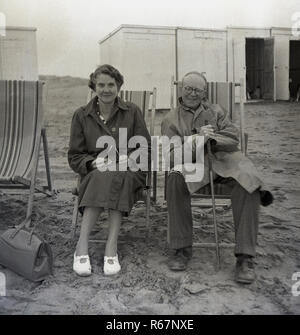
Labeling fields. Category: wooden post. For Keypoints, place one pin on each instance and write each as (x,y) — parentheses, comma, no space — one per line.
(46,156)
(172,93)
(148,205)
(233,62)
(242,115)
(152,126)
(33,180)
(153,110)
(274,84)
(74,218)
(176,54)
(39,98)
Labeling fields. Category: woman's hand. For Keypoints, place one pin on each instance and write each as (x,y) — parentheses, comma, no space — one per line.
(102,163)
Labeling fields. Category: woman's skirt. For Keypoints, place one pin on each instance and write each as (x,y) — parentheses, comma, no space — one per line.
(111,189)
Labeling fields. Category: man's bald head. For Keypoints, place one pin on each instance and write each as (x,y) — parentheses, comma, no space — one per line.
(195,75)
(194,86)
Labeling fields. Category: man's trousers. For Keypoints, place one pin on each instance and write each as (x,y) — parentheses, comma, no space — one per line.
(245,207)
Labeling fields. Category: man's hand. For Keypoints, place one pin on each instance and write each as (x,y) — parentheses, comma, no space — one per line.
(207,131)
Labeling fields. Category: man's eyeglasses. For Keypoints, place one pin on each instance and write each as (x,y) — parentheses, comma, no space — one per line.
(197,91)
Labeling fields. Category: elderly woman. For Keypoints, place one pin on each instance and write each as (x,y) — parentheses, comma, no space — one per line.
(117,190)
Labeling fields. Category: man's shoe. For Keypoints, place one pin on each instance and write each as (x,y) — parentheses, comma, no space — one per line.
(244,270)
(179,261)
(188,252)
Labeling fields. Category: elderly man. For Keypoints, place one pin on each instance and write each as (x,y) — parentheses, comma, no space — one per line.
(195,115)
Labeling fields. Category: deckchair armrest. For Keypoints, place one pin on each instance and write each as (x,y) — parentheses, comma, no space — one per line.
(246,135)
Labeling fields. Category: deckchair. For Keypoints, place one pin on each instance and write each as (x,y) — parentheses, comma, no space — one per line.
(21,133)
(222,93)
(146,101)
(142,100)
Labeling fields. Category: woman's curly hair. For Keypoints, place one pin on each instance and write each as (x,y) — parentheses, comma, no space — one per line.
(109,70)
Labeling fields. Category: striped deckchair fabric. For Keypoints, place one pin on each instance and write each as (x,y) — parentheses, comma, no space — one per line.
(21,117)
(142,100)
(222,94)
(20,122)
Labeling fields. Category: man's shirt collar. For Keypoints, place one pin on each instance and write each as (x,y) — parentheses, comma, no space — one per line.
(188,109)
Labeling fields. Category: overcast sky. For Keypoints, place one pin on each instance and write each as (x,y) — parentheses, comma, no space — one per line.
(69,30)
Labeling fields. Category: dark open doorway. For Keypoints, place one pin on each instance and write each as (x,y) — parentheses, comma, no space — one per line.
(294,68)
(260,68)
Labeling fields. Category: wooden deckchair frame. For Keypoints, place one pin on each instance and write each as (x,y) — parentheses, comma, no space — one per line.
(27,179)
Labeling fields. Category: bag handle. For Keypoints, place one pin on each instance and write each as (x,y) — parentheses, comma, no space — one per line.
(24,224)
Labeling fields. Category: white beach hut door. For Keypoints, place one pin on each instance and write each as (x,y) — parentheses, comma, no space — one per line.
(13,59)
(282,56)
(268,77)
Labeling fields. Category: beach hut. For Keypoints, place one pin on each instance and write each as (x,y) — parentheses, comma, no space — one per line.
(18,54)
(149,56)
(267,59)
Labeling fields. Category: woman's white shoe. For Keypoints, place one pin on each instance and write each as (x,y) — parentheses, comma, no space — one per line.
(111,265)
(82,265)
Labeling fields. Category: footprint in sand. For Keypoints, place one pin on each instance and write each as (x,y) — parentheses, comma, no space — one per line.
(277,171)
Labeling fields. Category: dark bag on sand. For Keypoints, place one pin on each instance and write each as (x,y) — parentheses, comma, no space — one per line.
(23,252)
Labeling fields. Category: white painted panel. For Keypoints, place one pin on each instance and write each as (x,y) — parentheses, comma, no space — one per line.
(111,51)
(149,61)
(18,55)
(145,57)
(203,51)
(281,49)
(239,63)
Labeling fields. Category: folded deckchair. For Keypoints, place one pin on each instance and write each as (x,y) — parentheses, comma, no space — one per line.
(21,132)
